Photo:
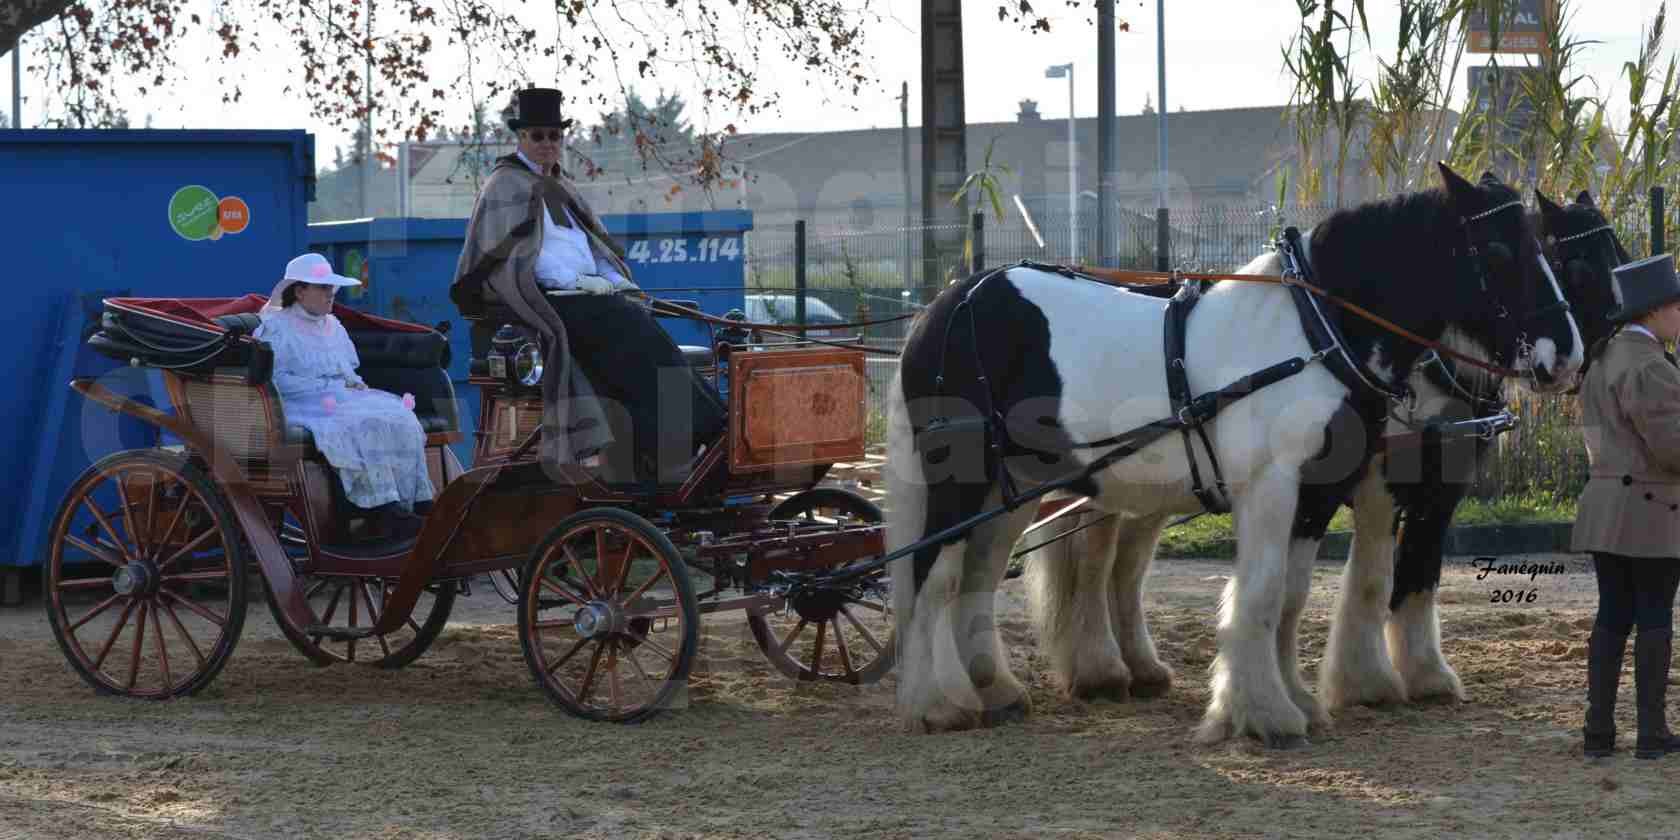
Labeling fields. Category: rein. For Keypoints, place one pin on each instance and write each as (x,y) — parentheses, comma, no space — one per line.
(696,315)
(1115,277)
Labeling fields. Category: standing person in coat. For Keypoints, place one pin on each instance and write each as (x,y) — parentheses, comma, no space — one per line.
(1629,514)
(531,236)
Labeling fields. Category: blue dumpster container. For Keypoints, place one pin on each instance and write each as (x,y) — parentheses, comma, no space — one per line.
(406,266)
(144,213)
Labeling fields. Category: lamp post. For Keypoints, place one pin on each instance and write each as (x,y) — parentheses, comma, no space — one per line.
(17,83)
(1056,71)
(1163,236)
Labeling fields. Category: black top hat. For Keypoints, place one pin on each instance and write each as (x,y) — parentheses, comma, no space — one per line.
(1643,285)
(534,106)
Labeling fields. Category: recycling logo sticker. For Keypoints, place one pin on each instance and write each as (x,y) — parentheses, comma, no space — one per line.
(196,213)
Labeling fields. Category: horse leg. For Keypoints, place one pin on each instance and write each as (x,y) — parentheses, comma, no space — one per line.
(1297,588)
(976,649)
(953,666)
(1248,691)
(1066,581)
(1357,670)
(924,702)
(1133,552)
(1414,627)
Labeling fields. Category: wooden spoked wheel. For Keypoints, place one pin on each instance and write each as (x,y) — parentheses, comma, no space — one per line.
(145,577)
(838,638)
(607,617)
(345,601)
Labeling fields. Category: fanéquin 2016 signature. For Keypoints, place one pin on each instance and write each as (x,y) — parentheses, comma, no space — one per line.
(1487,566)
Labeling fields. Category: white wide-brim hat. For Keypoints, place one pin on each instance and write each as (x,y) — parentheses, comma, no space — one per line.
(308,268)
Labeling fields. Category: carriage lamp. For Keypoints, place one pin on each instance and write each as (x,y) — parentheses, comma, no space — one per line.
(527,364)
(515,358)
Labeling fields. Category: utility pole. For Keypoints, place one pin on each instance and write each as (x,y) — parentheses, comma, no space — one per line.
(1056,71)
(1106,151)
(1163,238)
(367,119)
(944,137)
(17,83)
(904,147)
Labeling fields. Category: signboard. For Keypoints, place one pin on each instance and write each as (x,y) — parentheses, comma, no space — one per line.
(1503,91)
(1521,28)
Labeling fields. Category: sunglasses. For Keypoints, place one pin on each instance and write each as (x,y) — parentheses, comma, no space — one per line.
(538,135)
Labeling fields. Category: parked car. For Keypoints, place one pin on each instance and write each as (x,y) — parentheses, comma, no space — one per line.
(779,309)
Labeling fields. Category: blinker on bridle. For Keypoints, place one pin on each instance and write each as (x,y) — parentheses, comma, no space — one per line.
(1559,305)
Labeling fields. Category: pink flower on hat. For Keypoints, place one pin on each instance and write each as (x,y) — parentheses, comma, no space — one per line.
(320,270)
(329,403)
(408,401)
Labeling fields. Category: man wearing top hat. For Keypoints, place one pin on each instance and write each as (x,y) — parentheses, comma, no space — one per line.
(534,245)
(1629,513)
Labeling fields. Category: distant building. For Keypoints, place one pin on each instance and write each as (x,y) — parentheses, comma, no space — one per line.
(852,180)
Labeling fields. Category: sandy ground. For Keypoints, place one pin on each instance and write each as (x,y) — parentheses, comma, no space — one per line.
(462,745)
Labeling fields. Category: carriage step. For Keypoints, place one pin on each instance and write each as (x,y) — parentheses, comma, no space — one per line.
(338,634)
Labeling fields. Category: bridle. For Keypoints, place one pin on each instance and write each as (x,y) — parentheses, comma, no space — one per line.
(1444,374)
(1506,324)
(1579,252)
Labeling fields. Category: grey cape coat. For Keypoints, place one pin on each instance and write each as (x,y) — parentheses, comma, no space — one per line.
(1630,415)
(498,267)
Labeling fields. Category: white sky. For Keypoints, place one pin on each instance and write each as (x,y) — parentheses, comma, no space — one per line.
(1220,54)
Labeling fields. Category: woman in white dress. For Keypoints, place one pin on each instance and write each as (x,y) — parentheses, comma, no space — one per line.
(370,437)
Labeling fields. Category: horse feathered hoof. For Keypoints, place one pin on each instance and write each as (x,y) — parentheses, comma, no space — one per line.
(1115,688)
(1285,741)
(1149,683)
(1434,685)
(1015,712)
(950,719)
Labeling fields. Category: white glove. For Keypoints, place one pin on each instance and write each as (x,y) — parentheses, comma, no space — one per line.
(595,284)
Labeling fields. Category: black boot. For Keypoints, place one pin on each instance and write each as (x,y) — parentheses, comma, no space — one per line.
(1604,672)
(1651,651)
(397,524)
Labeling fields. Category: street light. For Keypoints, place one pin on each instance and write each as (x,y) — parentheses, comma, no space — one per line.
(1056,71)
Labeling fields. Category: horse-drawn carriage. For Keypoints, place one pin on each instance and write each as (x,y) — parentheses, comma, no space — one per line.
(147,567)
(612,580)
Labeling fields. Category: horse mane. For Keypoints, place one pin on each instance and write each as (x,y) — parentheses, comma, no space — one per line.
(1391,252)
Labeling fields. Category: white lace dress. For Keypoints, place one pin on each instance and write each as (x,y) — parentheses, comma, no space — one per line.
(370,437)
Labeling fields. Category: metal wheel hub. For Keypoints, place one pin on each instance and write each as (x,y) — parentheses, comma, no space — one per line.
(598,619)
(135,579)
(819,606)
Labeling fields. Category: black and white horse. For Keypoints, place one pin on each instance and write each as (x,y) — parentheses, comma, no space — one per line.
(1054,363)
(1427,483)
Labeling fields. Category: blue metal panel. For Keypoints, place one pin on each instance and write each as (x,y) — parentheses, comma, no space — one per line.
(691,256)
(99,218)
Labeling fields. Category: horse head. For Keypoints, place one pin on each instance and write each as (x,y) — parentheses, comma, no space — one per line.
(1516,308)
(1584,251)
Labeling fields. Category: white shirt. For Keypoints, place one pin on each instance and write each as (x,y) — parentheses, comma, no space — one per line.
(567,252)
(1638,328)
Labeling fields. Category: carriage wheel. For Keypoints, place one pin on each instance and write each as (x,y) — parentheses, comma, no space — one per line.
(608,617)
(346,601)
(145,579)
(832,637)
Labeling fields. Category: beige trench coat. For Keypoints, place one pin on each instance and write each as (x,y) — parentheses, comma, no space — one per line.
(1630,411)
(498,266)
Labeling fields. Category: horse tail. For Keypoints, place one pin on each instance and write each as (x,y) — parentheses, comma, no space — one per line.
(907,491)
